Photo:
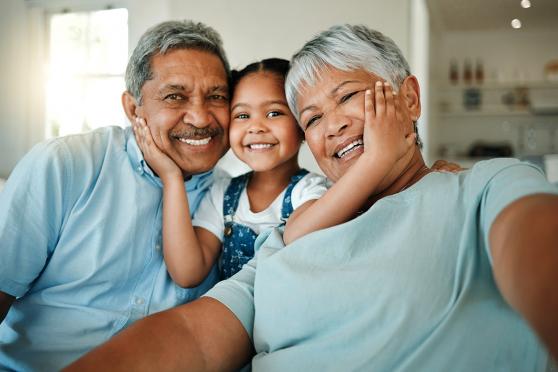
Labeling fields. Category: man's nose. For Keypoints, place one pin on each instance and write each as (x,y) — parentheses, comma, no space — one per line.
(197,115)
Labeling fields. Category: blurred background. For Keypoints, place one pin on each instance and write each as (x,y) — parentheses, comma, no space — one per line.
(488,69)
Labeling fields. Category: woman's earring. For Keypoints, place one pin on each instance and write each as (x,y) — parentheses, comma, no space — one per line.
(418,141)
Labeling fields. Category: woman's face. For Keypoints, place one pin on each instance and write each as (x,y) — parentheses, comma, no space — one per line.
(332,117)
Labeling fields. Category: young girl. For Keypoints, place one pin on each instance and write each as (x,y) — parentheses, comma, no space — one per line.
(264,134)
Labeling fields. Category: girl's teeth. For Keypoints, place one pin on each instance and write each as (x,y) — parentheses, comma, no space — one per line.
(256,146)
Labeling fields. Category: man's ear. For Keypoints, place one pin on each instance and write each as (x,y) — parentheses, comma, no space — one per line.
(410,92)
(130,105)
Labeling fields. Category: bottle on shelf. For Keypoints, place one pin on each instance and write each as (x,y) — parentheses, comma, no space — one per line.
(453,72)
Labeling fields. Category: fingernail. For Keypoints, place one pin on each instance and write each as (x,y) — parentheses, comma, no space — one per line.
(386,84)
(368,92)
(378,83)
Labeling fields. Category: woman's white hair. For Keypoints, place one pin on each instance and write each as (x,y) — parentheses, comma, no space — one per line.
(345,47)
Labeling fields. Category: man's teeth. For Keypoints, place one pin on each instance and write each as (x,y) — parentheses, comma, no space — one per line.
(350,147)
(257,146)
(195,142)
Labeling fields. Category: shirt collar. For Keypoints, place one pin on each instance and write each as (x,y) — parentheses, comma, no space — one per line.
(142,168)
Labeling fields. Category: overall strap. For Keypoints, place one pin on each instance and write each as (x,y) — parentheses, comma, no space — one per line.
(287,207)
(232,195)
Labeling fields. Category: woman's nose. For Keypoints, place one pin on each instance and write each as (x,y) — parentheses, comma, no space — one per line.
(336,124)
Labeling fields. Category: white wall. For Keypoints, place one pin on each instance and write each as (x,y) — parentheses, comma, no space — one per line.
(14,87)
(251,30)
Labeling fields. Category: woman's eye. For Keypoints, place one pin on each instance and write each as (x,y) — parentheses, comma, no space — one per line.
(273,114)
(313,120)
(347,97)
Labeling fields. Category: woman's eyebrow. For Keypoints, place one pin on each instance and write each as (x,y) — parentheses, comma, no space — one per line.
(337,88)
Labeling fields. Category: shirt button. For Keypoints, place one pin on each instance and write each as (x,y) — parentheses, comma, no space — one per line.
(139,301)
(139,169)
(158,247)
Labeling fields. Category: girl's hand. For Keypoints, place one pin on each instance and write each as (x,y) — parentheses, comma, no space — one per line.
(445,166)
(161,164)
(386,125)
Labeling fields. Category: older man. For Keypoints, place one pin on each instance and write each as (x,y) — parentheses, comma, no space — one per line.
(438,272)
(80,216)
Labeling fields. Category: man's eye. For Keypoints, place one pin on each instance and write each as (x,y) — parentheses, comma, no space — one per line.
(174,97)
(273,114)
(218,97)
(313,120)
(347,97)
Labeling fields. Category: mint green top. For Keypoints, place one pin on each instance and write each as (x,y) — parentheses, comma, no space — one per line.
(407,286)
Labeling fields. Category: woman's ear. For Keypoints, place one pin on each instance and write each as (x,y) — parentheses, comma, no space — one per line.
(130,106)
(410,92)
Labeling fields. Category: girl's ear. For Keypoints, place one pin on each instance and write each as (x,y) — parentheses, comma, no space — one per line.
(410,92)
(131,108)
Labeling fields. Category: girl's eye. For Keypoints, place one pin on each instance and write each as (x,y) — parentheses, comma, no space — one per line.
(347,97)
(313,120)
(273,114)
(241,116)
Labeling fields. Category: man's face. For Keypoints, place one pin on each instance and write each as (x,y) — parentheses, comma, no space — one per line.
(332,117)
(186,107)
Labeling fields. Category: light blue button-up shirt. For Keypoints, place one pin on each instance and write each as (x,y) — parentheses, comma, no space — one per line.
(80,247)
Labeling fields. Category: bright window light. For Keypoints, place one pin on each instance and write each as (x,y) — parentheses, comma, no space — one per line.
(525,4)
(88,52)
(516,23)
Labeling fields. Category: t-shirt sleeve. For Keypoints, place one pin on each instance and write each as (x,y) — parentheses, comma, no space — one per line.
(237,294)
(209,214)
(511,182)
(312,186)
(32,206)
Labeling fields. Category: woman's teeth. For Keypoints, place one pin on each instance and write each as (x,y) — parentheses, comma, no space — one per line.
(195,142)
(350,147)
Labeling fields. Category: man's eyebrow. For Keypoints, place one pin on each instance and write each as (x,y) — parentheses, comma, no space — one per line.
(172,87)
(218,88)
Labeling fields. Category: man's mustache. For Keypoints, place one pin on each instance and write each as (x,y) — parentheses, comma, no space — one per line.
(193,133)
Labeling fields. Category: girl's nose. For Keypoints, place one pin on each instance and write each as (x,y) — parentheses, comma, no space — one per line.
(257,127)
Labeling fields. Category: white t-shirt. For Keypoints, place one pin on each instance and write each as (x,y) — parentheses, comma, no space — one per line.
(210,212)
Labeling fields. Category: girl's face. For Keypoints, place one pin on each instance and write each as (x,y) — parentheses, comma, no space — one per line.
(263,132)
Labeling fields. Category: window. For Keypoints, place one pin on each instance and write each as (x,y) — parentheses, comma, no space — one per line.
(88,52)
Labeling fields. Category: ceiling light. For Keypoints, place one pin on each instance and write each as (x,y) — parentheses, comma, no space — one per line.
(516,23)
(525,4)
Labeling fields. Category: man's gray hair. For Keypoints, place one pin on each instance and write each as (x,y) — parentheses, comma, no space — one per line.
(345,47)
(164,37)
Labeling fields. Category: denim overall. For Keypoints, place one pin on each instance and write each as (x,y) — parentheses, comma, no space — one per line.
(238,240)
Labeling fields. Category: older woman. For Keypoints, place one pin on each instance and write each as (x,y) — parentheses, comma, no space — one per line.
(439,272)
